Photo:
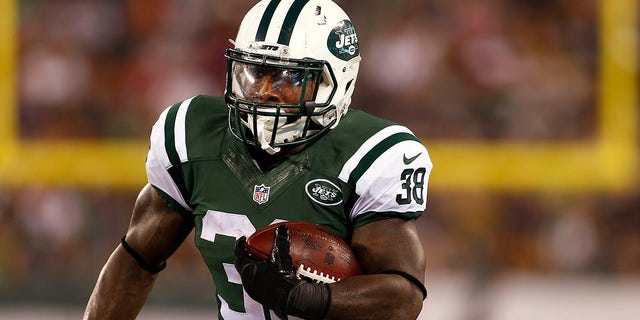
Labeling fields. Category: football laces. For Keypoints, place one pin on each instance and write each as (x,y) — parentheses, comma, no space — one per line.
(314,275)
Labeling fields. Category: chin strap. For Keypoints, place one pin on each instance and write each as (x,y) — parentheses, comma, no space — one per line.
(269,149)
(286,132)
(263,135)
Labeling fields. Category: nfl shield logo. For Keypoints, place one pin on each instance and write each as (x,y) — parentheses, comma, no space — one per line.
(261,194)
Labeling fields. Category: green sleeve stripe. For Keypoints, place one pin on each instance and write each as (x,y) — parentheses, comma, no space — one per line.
(169,135)
(375,152)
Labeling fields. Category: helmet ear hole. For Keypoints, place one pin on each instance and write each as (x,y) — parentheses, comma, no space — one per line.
(348,85)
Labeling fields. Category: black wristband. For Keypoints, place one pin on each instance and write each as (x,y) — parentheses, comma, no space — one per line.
(309,301)
(411,279)
(143,264)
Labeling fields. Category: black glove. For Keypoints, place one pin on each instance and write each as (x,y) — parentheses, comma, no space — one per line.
(274,282)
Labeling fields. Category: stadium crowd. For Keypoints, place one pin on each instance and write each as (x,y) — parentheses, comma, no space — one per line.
(493,70)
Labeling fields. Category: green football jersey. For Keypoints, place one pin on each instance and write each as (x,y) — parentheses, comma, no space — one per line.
(366,169)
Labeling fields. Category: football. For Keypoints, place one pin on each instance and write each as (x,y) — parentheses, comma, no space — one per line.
(318,254)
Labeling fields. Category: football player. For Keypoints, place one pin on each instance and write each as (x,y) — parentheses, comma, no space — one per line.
(281,145)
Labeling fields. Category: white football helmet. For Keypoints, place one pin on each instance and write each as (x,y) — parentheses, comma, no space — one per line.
(308,47)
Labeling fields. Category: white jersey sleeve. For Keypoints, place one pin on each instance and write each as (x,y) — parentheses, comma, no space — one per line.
(390,172)
(166,151)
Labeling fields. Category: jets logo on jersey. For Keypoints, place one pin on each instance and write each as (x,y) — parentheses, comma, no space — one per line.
(261,193)
(324,192)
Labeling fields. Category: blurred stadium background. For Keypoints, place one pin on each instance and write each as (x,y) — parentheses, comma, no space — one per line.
(529,109)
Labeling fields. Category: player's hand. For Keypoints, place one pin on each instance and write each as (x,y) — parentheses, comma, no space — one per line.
(274,283)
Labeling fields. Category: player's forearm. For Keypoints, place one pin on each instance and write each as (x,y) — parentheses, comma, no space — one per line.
(121,290)
(374,297)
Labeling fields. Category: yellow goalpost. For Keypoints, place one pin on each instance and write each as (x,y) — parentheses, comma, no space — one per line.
(609,162)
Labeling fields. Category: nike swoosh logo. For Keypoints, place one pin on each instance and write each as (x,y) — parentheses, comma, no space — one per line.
(409,160)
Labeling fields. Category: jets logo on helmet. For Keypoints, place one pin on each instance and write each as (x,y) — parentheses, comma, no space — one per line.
(307,44)
(343,41)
